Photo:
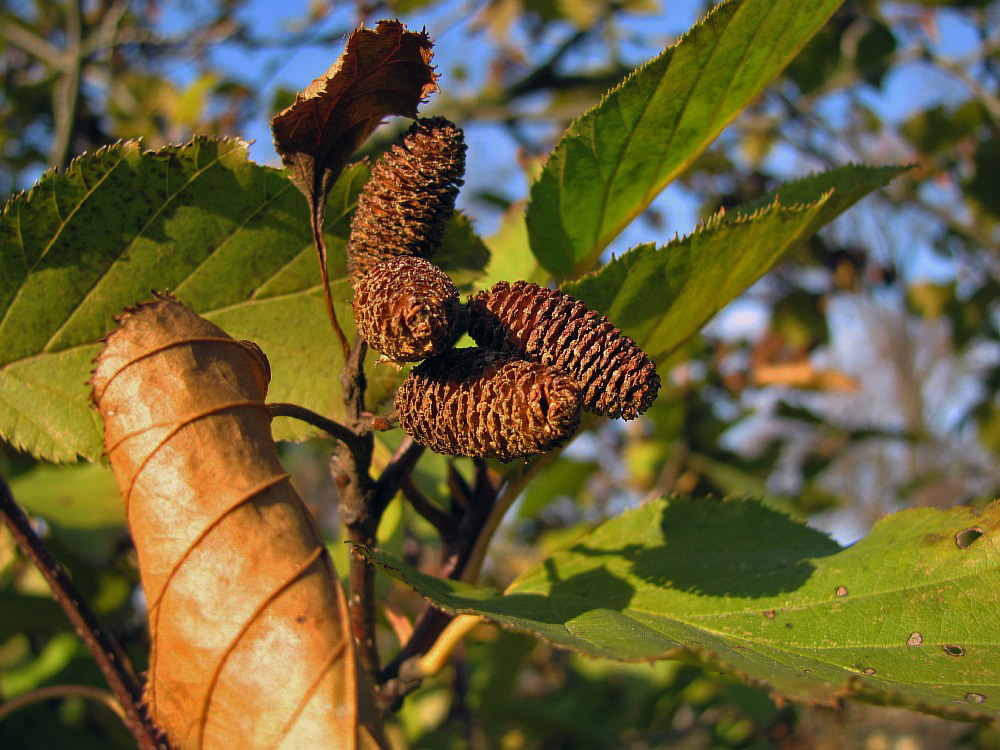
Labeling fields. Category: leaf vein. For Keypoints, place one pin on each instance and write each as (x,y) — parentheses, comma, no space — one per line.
(229,237)
(199,171)
(55,235)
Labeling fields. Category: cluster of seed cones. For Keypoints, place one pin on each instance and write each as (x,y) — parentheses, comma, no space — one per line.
(542,356)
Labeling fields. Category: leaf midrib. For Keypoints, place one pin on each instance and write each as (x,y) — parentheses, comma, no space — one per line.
(602,241)
(722,635)
(908,588)
(806,606)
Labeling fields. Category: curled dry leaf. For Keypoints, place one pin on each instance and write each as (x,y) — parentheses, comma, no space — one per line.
(380,73)
(250,631)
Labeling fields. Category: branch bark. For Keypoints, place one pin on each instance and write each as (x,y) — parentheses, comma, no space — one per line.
(110,657)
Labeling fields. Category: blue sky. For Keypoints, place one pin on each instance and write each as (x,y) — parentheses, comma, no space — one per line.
(492,159)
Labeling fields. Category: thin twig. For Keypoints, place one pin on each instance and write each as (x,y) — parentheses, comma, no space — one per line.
(541,77)
(404,673)
(383,422)
(62,691)
(399,466)
(353,382)
(66,92)
(437,655)
(31,43)
(446,526)
(294,411)
(508,494)
(324,272)
(112,660)
(460,491)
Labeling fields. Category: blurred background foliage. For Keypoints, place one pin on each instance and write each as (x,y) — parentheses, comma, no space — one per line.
(857,379)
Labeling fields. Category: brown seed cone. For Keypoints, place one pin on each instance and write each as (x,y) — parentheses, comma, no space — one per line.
(410,197)
(482,403)
(553,328)
(408,309)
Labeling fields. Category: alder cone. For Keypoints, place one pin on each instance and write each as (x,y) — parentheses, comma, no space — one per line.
(250,633)
(551,327)
(410,197)
(485,404)
(408,309)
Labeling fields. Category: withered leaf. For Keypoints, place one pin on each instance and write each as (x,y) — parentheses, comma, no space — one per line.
(380,73)
(250,632)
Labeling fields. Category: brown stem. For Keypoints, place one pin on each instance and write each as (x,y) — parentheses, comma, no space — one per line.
(368,506)
(383,422)
(446,526)
(395,472)
(294,411)
(351,467)
(402,675)
(324,272)
(506,497)
(98,695)
(112,660)
(362,585)
(353,382)
(461,493)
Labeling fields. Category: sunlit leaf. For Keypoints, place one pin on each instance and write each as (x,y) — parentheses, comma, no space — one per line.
(660,296)
(751,591)
(618,156)
(228,237)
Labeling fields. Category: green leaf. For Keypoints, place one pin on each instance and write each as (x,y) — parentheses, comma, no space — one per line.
(662,296)
(982,188)
(230,238)
(510,254)
(938,129)
(27,613)
(903,616)
(618,156)
(463,255)
(564,477)
(80,503)
(52,660)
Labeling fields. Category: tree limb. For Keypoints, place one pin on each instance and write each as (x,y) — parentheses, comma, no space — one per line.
(112,660)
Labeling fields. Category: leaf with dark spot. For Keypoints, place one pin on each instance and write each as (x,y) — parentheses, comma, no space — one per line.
(747,590)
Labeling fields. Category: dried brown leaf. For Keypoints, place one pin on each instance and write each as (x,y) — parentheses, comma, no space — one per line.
(250,631)
(380,73)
